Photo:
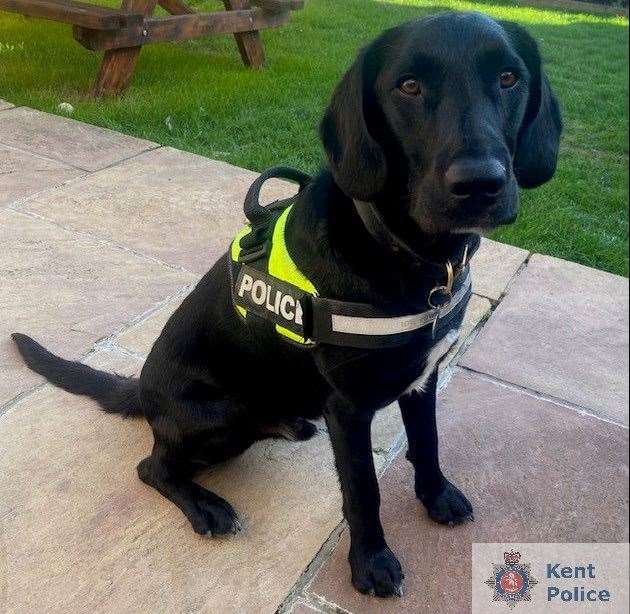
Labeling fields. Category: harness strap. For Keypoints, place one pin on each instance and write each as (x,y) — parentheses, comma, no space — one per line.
(362,326)
(302,316)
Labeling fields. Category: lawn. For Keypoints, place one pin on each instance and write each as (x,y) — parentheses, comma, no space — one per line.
(197,96)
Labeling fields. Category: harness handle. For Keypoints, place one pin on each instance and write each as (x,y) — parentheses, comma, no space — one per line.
(258,215)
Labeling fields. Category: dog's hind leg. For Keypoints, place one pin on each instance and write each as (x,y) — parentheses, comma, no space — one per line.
(171,475)
(189,437)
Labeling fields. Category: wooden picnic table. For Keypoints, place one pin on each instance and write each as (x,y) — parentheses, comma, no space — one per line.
(121,33)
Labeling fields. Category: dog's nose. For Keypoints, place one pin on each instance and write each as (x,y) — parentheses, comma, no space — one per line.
(468,177)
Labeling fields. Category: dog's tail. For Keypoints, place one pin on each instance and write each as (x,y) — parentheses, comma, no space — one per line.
(114,393)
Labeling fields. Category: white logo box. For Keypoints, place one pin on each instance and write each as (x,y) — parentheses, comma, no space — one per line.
(597,574)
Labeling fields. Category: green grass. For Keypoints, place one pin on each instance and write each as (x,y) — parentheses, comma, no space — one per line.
(257,119)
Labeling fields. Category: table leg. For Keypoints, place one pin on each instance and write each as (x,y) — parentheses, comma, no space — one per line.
(118,65)
(249,44)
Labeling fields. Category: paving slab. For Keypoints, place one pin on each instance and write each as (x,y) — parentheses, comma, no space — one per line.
(68,292)
(387,428)
(81,533)
(477,312)
(494,266)
(4,105)
(141,337)
(302,608)
(82,145)
(181,208)
(534,471)
(23,174)
(562,331)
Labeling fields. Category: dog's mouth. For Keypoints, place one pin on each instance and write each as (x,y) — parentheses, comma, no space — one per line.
(474,214)
(499,216)
(469,224)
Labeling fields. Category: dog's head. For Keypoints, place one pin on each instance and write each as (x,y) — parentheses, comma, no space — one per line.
(445,117)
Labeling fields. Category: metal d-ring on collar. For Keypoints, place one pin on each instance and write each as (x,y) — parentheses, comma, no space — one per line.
(446,291)
(376,226)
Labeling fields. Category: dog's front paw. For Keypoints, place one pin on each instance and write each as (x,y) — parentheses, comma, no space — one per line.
(302,429)
(211,515)
(377,573)
(449,506)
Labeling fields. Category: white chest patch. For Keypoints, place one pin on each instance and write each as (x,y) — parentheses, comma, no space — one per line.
(436,354)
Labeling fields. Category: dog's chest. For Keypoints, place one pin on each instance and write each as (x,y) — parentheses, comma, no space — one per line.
(377,378)
(438,351)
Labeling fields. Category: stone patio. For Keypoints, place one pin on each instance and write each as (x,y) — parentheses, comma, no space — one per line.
(102,235)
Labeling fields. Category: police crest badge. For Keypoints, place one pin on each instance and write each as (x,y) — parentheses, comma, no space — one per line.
(512,581)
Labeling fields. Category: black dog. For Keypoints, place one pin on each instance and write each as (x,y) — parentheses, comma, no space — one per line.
(427,136)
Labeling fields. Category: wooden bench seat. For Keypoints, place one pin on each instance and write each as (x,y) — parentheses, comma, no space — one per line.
(278,6)
(76,13)
(180,27)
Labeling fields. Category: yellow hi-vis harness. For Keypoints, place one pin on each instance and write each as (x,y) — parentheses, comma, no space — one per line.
(268,289)
(280,266)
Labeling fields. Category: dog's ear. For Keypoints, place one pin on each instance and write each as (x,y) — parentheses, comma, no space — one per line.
(356,159)
(538,142)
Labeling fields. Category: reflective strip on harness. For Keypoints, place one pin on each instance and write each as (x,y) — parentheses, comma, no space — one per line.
(352,325)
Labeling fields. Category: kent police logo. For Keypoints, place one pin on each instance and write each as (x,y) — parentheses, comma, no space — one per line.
(512,582)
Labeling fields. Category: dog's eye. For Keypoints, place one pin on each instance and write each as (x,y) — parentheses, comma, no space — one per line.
(508,79)
(410,86)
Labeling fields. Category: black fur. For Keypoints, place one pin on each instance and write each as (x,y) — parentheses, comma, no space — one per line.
(114,393)
(211,385)
(537,147)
